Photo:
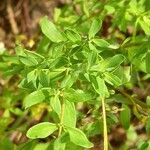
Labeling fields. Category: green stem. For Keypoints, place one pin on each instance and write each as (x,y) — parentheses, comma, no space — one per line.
(61,118)
(105,125)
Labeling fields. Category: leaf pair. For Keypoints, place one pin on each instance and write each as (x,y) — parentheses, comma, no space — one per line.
(44,129)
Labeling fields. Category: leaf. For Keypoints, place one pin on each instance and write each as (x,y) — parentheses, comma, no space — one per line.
(60,142)
(145,26)
(101,42)
(55,104)
(78,137)
(147,62)
(76,95)
(69,80)
(44,78)
(144,145)
(72,35)
(147,126)
(50,31)
(99,86)
(112,79)
(86,8)
(43,45)
(95,27)
(28,61)
(125,116)
(41,146)
(69,114)
(34,98)
(41,130)
(113,62)
(31,76)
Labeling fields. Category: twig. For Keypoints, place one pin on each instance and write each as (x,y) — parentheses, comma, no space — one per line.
(11,18)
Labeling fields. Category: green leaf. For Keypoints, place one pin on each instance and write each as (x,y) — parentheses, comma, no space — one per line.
(113,62)
(101,42)
(76,95)
(50,31)
(95,27)
(34,98)
(99,86)
(69,80)
(55,104)
(145,26)
(60,142)
(31,76)
(125,116)
(28,61)
(78,137)
(41,130)
(44,78)
(147,62)
(41,146)
(147,126)
(72,35)
(86,8)
(69,114)
(112,79)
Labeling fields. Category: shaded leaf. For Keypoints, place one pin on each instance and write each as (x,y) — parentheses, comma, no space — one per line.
(125,116)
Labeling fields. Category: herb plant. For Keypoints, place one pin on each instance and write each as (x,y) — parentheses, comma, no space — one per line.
(79,63)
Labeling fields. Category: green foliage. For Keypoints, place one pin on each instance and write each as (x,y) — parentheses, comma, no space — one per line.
(81,64)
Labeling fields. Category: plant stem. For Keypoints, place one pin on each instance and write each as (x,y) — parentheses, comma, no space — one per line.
(61,118)
(105,125)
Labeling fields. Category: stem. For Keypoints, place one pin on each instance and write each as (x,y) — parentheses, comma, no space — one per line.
(105,125)
(61,118)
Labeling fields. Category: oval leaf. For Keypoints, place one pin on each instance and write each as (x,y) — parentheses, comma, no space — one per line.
(34,98)
(69,114)
(50,31)
(95,27)
(41,130)
(79,138)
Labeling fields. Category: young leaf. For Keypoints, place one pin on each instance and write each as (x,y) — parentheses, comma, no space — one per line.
(95,27)
(111,63)
(28,61)
(31,76)
(55,104)
(72,35)
(99,86)
(125,116)
(78,137)
(101,42)
(69,114)
(77,95)
(112,79)
(34,98)
(86,8)
(50,31)
(41,130)
(68,80)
